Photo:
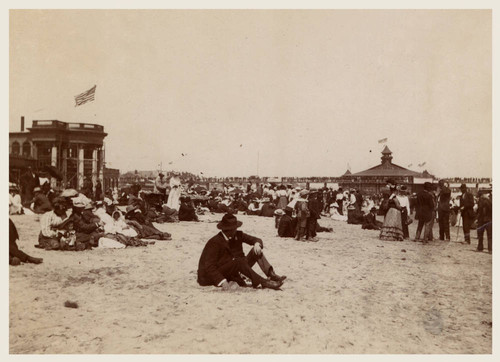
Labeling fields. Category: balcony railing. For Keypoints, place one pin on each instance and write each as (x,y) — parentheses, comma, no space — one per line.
(69,126)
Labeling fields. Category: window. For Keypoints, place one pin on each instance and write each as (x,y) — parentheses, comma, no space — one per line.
(26,149)
(15,148)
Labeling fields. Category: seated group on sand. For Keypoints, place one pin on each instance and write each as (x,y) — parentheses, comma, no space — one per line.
(76,223)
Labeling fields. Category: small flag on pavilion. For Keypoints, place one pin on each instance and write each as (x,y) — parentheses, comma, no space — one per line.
(383,140)
(421,164)
(85,97)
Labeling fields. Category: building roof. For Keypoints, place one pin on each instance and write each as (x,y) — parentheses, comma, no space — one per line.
(386,151)
(387,168)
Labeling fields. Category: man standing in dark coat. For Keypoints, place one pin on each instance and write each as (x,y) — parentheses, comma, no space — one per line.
(87,189)
(223,259)
(314,215)
(484,222)
(444,211)
(28,182)
(425,208)
(98,190)
(467,211)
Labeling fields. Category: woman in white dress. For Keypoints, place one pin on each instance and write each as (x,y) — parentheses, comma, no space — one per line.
(334,213)
(175,192)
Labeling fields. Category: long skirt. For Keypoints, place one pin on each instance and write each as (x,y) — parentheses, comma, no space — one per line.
(392,227)
(173,198)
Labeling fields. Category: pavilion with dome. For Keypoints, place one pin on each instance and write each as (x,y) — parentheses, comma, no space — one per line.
(373,180)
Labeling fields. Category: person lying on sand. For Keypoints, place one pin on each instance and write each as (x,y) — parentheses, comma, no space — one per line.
(223,259)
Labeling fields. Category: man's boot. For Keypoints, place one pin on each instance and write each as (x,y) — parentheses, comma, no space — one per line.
(34,260)
(271,284)
(274,277)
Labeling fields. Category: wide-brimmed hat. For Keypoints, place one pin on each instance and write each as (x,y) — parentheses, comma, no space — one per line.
(229,222)
(279,212)
(334,205)
(78,203)
(463,186)
(304,193)
(37,189)
(108,201)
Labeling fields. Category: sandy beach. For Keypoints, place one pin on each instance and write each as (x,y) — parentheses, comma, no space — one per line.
(347,293)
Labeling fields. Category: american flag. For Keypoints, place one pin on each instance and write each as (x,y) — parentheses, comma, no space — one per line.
(85,97)
(421,164)
(383,140)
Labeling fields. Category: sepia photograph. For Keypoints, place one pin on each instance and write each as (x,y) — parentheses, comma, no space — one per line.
(250,181)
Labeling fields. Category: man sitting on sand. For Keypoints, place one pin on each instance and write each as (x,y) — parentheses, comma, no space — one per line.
(41,203)
(222,259)
(371,222)
(187,211)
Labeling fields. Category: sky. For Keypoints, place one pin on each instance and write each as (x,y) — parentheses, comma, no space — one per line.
(268,92)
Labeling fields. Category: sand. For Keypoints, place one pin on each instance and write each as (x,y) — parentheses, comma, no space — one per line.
(347,293)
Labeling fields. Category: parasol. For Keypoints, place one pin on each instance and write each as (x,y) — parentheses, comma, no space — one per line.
(69,193)
(53,171)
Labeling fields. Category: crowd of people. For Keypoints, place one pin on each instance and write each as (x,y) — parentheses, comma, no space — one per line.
(435,202)
(85,219)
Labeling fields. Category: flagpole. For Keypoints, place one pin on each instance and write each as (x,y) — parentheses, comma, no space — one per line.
(258,155)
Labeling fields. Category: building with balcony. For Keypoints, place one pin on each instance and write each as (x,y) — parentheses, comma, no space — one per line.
(76,150)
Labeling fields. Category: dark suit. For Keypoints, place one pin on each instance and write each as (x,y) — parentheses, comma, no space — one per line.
(223,259)
(444,213)
(187,212)
(484,218)
(267,210)
(286,227)
(467,207)
(28,182)
(371,222)
(14,251)
(424,214)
